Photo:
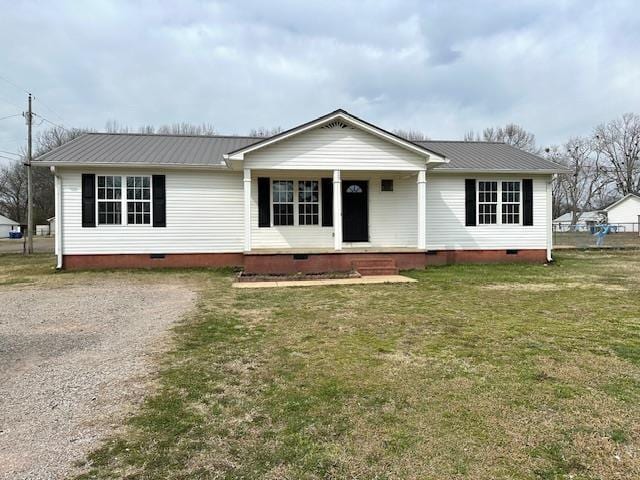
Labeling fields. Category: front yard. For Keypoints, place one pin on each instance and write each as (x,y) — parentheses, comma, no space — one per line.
(478,372)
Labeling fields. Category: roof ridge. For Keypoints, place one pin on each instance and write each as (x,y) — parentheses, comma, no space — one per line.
(463,141)
(138,134)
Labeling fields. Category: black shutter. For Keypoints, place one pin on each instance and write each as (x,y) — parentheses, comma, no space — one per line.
(327,202)
(88,200)
(527,202)
(264,209)
(159,201)
(470,202)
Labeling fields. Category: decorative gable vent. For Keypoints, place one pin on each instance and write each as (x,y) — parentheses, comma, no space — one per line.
(335,124)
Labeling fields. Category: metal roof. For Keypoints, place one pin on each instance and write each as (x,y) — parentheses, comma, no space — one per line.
(489,156)
(208,151)
(7,221)
(143,149)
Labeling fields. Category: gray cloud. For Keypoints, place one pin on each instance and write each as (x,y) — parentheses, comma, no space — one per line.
(558,68)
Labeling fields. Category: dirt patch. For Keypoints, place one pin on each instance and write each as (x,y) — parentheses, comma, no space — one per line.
(73,362)
(549,287)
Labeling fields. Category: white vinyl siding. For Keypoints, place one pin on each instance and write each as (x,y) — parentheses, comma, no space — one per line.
(625,214)
(445,212)
(203,214)
(334,148)
(392,215)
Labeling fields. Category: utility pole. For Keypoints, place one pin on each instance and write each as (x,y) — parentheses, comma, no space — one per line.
(29,117)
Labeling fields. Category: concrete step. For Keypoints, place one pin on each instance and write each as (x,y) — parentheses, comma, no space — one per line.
(367,271)
(375,266)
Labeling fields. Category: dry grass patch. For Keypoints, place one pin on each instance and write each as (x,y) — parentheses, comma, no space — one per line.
(474,372)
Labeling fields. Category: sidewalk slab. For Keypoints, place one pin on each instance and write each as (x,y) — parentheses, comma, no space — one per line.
(328,281)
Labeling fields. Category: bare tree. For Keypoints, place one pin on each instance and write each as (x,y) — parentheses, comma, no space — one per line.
(511,134)
(187,129)
(587,178)
(619,143)
(13,179)
(264,132)
(412,135)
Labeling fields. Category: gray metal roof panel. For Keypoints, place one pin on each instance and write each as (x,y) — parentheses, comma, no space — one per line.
(142,149)
(490,156)
(123,148)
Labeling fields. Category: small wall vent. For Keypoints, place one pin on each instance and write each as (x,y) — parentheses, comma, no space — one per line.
(335,124)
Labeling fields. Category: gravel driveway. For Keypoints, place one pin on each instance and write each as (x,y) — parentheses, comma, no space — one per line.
(73,362)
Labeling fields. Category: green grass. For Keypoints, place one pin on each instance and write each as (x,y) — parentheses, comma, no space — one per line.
(474,372)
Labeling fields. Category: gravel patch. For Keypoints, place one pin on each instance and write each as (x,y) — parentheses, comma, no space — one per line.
(73,362)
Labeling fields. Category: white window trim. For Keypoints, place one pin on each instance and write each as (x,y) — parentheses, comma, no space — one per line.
(296,219)
(124,220)
(498,203)
(519,202)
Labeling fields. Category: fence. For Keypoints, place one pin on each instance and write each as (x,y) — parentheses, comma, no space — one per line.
(592,235)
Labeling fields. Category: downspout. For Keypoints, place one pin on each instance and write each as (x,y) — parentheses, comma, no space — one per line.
(550,219)
(58,213)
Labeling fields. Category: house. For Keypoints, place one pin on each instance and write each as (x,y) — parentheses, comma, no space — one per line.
(584,222)
(323,196)
(52,225)
(624,213)
(7,225)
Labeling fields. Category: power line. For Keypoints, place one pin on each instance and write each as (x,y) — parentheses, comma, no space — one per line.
(14,85)
(49,121)
(9,158)
(11,116)
(10,153)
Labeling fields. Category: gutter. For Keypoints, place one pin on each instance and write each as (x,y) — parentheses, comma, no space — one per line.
(58,211)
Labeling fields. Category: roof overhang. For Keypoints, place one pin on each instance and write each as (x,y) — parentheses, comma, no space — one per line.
(234,159)
(131,165)
(618,202)
(497,171)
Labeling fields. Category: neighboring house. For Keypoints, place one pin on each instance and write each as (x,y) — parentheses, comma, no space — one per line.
(624,213)
(7,225)
(317,197)
(52,225)
(584,222)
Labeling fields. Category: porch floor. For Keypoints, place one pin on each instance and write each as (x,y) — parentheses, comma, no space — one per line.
(315,251)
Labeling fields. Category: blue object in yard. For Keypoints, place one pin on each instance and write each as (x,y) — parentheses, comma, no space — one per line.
(15,235)
(601,232)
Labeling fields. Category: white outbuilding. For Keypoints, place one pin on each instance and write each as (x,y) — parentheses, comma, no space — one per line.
(7,225)
(624,213)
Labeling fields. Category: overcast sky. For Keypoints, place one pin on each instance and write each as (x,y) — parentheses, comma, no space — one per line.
(442,67)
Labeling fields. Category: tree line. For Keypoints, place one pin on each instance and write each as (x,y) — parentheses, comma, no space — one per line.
(603,166)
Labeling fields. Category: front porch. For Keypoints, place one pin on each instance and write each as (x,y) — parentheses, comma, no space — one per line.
(325,212)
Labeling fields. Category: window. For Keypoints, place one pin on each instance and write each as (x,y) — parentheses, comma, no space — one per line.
(386,185)
(283,202)
(109,200)
(510,202)
(308,202)
(487,203)
(138,200)
(354,189)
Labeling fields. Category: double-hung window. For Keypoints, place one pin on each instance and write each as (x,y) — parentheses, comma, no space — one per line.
(112,202)
(138,200)
(283,202)
(308,202)
(109,200)
(510,202)
(487,202)
(499,202)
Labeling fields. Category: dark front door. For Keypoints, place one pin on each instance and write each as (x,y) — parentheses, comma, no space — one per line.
(355,212)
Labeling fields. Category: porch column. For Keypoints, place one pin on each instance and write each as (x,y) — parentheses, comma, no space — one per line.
(247,209)
(337,210)
(422,209)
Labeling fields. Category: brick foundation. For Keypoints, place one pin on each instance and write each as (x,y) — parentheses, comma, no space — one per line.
(289,263)
(76,262)
(448,257)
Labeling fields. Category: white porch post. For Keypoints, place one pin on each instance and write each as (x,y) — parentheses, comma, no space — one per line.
(337,210)
(422,209)
(247,209)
